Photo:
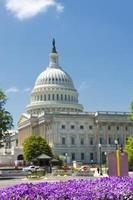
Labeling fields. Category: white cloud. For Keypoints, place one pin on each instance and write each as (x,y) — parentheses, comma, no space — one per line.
(26,90)
(83,86)
(24,9)
(12,90)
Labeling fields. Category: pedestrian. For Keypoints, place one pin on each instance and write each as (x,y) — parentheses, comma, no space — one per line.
(98,170)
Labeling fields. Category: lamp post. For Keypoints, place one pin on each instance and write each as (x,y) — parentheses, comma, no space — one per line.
(116,144)
(117,158)
(100,149)
(66,157)
(105,153)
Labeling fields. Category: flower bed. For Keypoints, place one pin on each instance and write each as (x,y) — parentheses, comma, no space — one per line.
(99,189)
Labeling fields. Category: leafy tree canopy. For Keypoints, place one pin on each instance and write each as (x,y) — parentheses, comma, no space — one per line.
(131,116)
(6,120)
(129,150)
(34,146)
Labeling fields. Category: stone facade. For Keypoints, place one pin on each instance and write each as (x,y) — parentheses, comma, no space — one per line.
(10,152)
(55,114)
(78,134)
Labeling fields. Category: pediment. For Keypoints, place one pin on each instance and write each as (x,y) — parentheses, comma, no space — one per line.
(23,118)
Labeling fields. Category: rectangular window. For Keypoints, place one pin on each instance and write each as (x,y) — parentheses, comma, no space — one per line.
(90,127)
(109,128)
(49,97)
(109,141)
(91,156)
(63,140)
(61,97)
(82,141)
(73,156)
(72,140)
(63,126)
(126,128)
(117,128)
(82,156)
(118,139)
(91,141)
(57,97)
(100,140)
(81,127)
(72,126)
(16,142)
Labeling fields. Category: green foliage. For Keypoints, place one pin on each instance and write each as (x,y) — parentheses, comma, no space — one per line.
(60,161)
(6,120)
(131,115)
(2,98)
(34,146)
(129,150)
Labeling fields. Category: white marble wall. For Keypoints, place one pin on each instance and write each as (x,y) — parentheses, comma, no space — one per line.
(96,128)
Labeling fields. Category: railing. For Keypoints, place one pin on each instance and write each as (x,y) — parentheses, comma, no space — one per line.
(113,113)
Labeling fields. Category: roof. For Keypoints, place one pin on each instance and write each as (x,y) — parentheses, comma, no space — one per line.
(43,156)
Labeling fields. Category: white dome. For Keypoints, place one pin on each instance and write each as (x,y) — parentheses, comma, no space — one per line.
(54,90)
(54,76)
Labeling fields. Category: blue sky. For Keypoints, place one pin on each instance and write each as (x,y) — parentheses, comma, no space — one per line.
(94,40)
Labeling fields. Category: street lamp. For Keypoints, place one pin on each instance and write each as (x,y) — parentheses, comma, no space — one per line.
(66,157)
(116,144)
(100,149)
(105,153)
(117,158)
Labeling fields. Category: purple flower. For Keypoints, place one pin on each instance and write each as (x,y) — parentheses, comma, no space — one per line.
(110,188)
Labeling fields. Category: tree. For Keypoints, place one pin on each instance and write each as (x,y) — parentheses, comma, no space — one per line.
(34,146)
(129,142)
(6,120)
(131,116)
(129,150)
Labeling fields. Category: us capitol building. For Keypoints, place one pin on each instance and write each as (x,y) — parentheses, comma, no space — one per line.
(55,114)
